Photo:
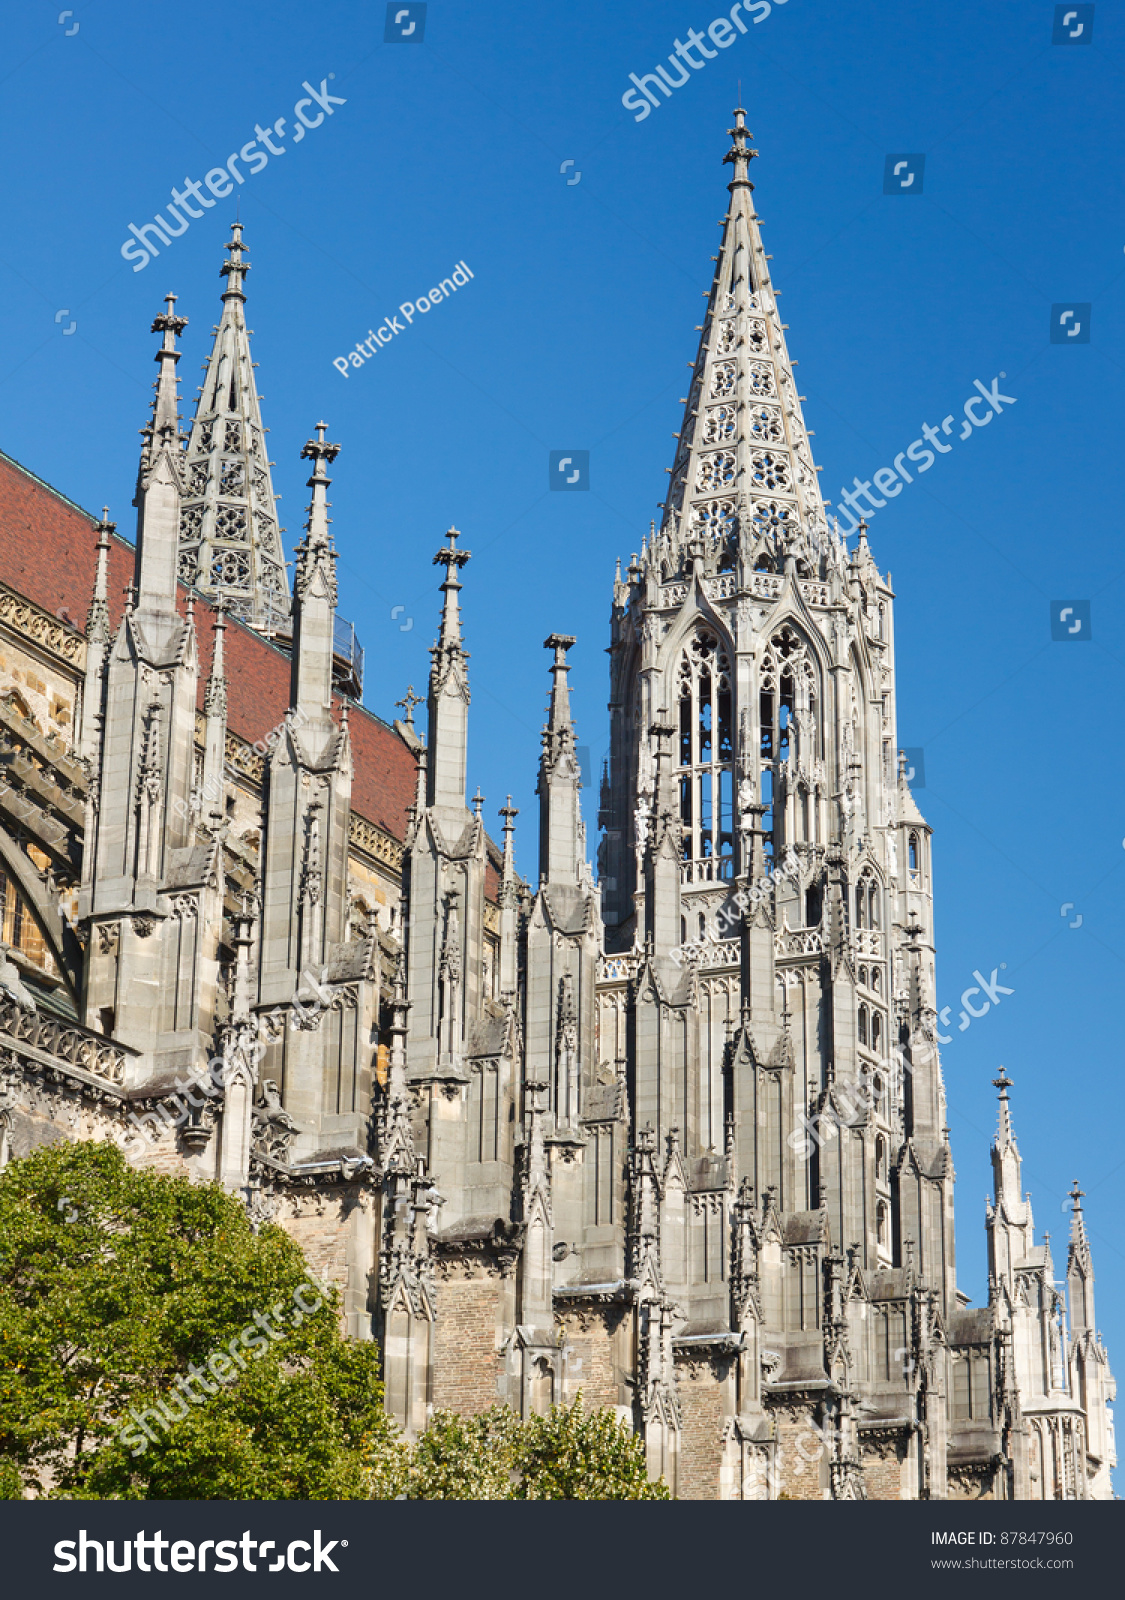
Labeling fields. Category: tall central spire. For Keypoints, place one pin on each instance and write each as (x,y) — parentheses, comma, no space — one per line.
(230,543)
(744,488)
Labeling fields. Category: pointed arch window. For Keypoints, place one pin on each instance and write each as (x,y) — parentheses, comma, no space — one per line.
(705,758)
(914,857)
(863,1025)
(788,732)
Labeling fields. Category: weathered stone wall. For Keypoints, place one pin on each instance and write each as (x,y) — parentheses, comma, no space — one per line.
(592,1337)
(467,1364)
(883,1468)
(701,1383)
(800,1466)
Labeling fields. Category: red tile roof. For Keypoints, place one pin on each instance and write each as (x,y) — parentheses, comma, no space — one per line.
(47,553)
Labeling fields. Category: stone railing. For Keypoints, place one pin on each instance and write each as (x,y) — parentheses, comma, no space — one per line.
(720,588)
(709,869)
(814,593)
(617,969)
(867,942)
(65,1042)
(798,942)
(713,953)
(766,585)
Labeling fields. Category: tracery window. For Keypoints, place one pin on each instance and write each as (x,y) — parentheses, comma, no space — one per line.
(705,753)
(867,902)
(788,700)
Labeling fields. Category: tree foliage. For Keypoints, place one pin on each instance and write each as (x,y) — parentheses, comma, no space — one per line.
(114,1284)
(153,1346)
(570,1454)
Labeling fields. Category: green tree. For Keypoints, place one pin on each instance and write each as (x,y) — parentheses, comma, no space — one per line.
(570,1454)
(116,1286)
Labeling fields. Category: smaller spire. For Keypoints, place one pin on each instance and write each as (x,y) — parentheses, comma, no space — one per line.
(319,452)
(1078,1238)
(559,716)
(97,618)
(314,589)
(452,559)
(165,427)
(1004,1083)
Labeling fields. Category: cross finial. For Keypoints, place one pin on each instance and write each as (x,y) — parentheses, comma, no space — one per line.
(452,557)
(1003,1083)
(318,451)
(408,702)
(1077,1195)
(740,155)
(477,803)
(509,812)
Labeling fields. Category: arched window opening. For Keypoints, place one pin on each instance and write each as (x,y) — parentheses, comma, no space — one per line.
(788,713)
(861,905)
(812,906)
(863,977)
(873,904)
(912,852)
(876,980)
(881,1158)
(706,756)
(863,1025)
(703,925)
(881,1224)
(876,1031)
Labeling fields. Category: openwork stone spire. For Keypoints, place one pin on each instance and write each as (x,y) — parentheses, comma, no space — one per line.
(230,543)
(743,481)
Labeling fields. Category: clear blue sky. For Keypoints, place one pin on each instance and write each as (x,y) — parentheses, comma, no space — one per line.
(575,332)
